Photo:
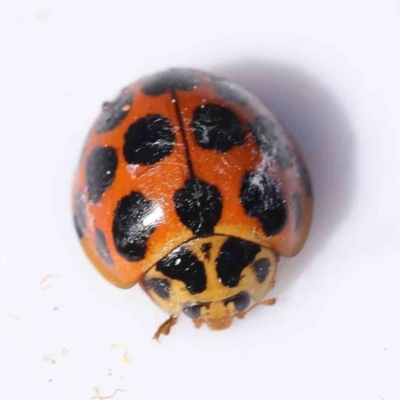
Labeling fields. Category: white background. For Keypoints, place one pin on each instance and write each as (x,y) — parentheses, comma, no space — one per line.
(330,71)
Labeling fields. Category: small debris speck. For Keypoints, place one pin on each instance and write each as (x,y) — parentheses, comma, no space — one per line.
(48,277)
(100,397)
(50,358)
(125,357)
(41,15)
(131,168)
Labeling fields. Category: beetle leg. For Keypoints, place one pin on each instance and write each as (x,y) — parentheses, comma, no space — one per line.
(198,322)
(268,302)
(165,328)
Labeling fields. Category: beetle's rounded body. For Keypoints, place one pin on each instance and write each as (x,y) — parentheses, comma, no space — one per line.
(190,185)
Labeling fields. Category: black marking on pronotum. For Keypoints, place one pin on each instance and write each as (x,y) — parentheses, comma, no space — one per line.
(183,265)
(240,300)
(161,287)
(199,206)
(261,268)
(234,256)
(130,229)
(102,247)
(192,311)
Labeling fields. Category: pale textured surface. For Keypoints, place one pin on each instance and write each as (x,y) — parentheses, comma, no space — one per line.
(331,74)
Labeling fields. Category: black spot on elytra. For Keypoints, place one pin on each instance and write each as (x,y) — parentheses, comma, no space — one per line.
(298,215)
(130,229)
(199,206)
(184,266)
(102,248)
(261,198)
(305,178)
(172,79)
(234,256)
(231,91)
(113,113)
(271,141)
(101,166)
(206,250)
(80,214)
(161,287)
(240,300)
(261,268)
(149,140)
(217,128)
(192,311)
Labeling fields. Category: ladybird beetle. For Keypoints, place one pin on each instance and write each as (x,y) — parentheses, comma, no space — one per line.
(189,185)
